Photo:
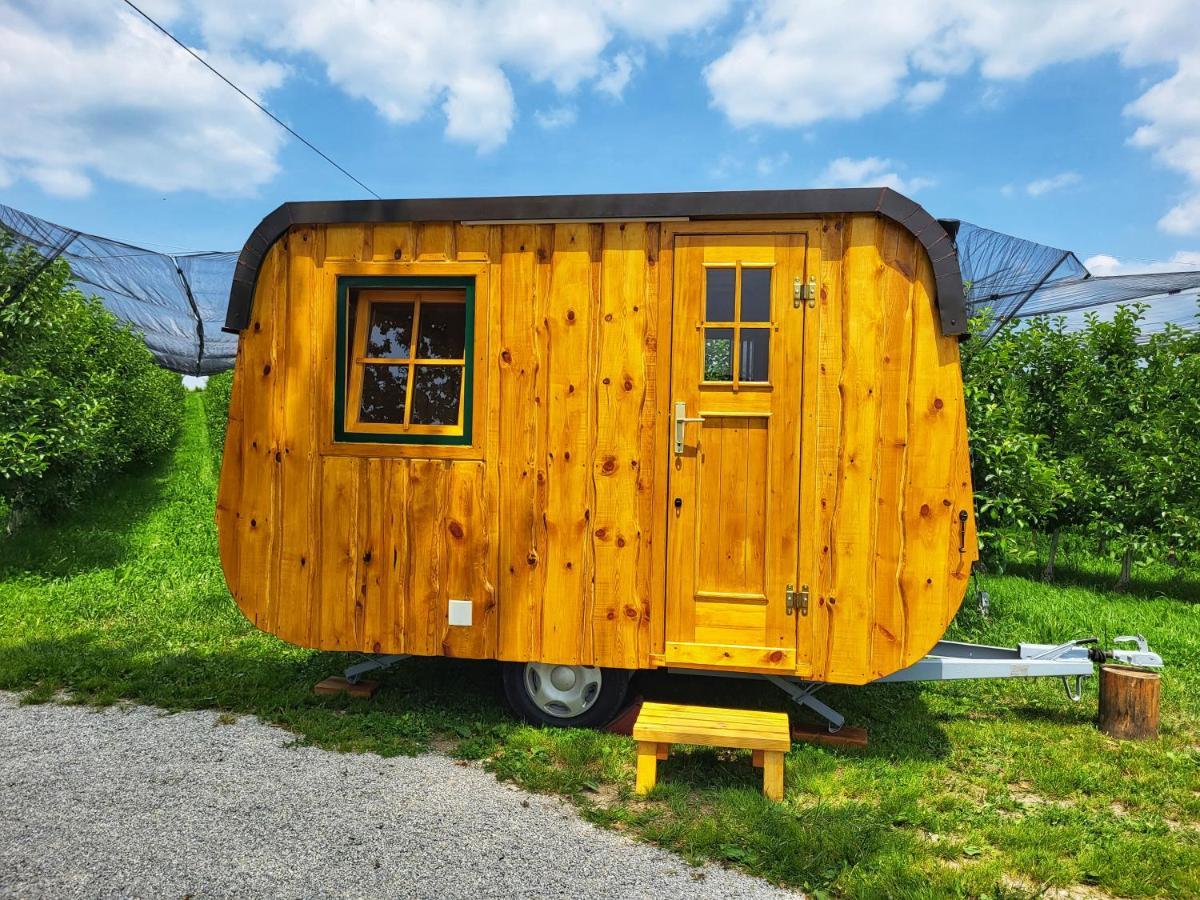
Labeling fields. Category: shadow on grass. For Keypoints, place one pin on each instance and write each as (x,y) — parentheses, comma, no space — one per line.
(260,676)
(419,698)
(1182,585)
(896,716)
(98,534)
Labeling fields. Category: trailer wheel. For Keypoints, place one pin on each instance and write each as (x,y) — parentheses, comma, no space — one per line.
(565,696)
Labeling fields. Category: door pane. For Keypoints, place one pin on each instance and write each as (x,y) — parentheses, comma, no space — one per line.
(756,295)
(718,295)
(756,349)
(443,331)
(391,330)
(436,391)
(718,354)
(383,394)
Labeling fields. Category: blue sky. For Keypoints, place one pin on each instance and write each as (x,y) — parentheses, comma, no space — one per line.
(1071,123)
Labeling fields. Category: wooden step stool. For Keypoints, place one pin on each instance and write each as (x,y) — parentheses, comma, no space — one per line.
(659,725)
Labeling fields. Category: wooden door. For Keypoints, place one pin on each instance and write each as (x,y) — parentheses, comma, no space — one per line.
(737,362)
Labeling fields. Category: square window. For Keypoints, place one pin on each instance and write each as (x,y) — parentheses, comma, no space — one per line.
(384,394)
(390,334)
(754,355)
(437,391)
(718,354)
(404,360)
(719,294)
(756,295)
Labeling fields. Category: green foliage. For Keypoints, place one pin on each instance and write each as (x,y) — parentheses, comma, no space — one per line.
(80,396)
(216,412)
(1092,429)
(966,789)
(1016,483)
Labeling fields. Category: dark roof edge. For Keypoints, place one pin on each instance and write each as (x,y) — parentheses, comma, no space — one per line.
(703,205)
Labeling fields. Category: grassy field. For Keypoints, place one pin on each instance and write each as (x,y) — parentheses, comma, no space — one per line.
(984,789)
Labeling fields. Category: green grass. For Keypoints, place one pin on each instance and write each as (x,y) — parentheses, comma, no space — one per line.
(980,789)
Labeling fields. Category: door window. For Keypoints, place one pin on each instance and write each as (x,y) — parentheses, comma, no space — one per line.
(737,324)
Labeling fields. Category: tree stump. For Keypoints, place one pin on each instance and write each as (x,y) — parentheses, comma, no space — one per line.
(1128,703)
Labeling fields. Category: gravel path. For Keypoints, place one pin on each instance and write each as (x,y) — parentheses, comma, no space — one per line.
(130,802)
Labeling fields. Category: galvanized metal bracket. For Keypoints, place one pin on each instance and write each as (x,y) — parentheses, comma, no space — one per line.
(796,600)
(802,693)
(802,291)
(357,671)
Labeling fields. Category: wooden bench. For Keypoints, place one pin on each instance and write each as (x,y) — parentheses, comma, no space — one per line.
(659,725)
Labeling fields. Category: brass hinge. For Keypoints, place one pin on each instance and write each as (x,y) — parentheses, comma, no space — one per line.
(796,600)
(802,291)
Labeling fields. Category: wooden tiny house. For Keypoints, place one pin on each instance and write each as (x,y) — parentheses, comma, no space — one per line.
(719,431)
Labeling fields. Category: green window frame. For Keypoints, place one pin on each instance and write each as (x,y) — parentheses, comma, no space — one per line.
(347,294)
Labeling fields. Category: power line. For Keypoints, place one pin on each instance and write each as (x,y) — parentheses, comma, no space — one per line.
(274,117)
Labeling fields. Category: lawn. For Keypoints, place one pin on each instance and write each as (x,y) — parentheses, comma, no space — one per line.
(984,789)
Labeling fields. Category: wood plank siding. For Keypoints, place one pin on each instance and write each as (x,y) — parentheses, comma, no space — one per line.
(552,518)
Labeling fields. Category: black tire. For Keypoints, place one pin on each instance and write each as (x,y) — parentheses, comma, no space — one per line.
(609,699)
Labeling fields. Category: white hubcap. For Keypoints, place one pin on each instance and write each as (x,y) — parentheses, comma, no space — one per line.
(562,691)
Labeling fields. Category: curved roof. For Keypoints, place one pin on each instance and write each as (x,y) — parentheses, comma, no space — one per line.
(600,207)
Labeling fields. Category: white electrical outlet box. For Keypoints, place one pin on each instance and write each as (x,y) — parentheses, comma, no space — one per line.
(460,612)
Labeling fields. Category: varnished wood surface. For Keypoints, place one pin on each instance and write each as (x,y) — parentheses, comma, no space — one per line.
(554,522)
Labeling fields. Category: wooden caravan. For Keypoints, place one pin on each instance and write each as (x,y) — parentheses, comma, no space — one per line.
(595,434)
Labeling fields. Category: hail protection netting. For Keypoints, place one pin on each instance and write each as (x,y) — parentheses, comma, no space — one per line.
(177,302)
(1019,279)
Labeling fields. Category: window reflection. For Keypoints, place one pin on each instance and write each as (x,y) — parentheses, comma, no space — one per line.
(383,394)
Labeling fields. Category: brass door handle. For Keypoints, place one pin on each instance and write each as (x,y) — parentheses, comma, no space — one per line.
(681,421)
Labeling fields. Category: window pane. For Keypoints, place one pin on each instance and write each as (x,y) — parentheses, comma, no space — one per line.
(756,295)
(443,331)
(436,391)
(756,349)
(383,394)
(718,295)
(718,354)
(391,330)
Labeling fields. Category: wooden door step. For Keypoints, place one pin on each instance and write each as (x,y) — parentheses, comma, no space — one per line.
(659,725)
(337,684)
(846,736)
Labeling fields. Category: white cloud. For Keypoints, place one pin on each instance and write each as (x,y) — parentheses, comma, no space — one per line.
(1103,264)
(665,18)
(479,108)
(769,165)
(94,91)
(555,117)
(872,171)
(617,72)
(406,57)
(1054,183)
(1183,217)
(1171,110)
(925,93)
(777,71)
